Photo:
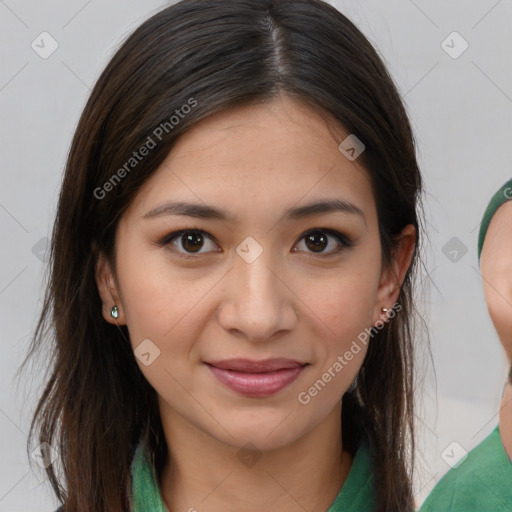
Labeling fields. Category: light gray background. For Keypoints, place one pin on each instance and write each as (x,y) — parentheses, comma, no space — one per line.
(461,112)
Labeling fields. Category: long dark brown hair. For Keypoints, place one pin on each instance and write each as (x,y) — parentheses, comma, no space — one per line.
(211,55)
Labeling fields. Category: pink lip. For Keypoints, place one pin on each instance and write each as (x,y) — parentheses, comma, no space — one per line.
(256,378)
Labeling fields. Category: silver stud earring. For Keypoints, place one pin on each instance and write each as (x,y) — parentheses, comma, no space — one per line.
(385,310)
(114,312)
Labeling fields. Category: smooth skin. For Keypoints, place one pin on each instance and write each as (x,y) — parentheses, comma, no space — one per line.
(202,301)
(496,269)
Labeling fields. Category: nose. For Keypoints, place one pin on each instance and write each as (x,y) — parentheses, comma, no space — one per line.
(258,302)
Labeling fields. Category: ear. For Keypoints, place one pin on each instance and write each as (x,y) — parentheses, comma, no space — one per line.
(394,274)
(108,291)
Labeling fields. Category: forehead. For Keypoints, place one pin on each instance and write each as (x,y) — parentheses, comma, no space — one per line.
(259,159)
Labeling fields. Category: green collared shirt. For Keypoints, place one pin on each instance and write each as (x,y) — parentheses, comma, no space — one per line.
(501,196)
(356,495)
(482,483)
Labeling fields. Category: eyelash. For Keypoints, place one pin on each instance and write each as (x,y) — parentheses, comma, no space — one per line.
(344,241)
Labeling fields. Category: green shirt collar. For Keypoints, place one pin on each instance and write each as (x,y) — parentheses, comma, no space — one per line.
(145,492)
(501,196)
(357,493)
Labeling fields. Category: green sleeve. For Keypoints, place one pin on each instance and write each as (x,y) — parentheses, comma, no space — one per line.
(504,194)
(482,483)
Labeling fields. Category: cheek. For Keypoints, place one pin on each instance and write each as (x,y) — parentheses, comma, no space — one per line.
(159,300)
(348,314)
(345,302)
(166,307)
(501,314)
(340,330)
(344,306)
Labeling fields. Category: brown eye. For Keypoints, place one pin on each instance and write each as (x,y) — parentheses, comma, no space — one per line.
(318,240)
(192,242)
(188,241)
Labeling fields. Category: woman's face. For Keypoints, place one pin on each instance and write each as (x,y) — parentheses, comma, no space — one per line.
(262,278)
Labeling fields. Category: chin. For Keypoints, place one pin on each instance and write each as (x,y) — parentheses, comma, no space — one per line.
(263,435)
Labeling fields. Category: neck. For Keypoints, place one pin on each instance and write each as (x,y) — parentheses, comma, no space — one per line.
(506,419)
(209,475)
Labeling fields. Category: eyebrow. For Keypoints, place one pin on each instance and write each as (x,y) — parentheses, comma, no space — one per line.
(202,211)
